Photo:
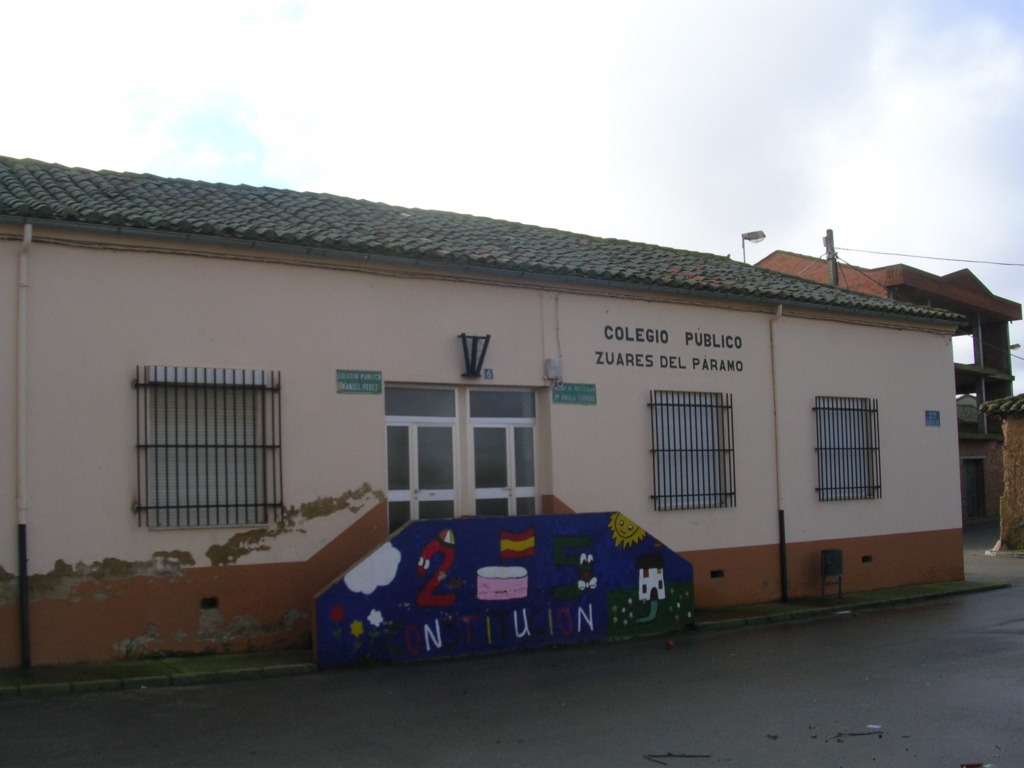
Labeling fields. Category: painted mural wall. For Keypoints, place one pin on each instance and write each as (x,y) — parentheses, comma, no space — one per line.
(444,588)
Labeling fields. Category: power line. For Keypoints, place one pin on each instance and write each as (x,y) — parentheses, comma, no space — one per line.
(933,258)
(864,274)
(996,347)
(862,271)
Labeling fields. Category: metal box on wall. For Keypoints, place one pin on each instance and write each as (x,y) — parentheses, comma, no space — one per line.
(831,569)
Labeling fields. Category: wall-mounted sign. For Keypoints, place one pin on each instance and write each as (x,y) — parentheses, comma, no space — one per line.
(574,394)
(931,418)
(692,350)
(359,382)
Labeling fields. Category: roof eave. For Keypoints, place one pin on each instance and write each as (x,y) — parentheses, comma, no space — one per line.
(447,267)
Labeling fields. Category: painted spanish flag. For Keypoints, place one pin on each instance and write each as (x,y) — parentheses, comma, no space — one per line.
(518,544)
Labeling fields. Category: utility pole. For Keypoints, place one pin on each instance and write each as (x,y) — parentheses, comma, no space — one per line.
(830,254)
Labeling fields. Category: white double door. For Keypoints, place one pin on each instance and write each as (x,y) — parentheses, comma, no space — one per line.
(454,452)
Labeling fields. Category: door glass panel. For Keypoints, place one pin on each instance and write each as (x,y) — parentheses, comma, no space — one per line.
(399,401)
(398,458)
(436,510)
(495,404)
(526,505)
(492,507)
(524,456)
(435,457)
(398,515)
(490,457)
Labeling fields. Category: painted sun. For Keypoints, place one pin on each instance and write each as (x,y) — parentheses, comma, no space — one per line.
(625,533)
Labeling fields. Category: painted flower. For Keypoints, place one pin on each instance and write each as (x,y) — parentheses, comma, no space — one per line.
(375,618)
(337,614)
(357,628)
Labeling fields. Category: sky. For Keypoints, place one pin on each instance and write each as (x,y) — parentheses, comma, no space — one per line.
(898,124)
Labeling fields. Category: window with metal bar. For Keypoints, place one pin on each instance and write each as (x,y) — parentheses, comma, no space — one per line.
(692,446)
(208,446)
(849,461)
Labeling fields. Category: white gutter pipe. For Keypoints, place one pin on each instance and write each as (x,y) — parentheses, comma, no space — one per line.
(783,564)
(21,494)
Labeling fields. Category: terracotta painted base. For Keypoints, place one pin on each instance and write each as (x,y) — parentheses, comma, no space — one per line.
(748,575)
(230,608)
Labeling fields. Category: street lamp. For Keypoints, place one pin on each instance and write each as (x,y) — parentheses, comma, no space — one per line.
(755,237)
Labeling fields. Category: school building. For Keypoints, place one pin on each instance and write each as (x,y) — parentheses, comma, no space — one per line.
(216,399)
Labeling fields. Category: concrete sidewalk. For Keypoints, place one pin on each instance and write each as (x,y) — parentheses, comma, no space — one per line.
(217,668)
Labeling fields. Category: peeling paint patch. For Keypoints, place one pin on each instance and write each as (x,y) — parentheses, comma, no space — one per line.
(244,628)
(138,646)
(66,581)
(172,562)
(146,630)
(246,542)
(210,623)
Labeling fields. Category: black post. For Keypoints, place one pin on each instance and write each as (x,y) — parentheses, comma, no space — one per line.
(783,566)
(26,655)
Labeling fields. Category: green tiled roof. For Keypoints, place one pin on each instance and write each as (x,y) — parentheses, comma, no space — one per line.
(36,191)
(1012,406)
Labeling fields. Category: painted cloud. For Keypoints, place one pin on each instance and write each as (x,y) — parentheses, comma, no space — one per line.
(377,570)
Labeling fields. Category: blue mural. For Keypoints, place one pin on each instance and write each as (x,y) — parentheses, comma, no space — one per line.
(442,588)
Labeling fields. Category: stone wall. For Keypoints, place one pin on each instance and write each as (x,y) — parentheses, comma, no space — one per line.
(1011,508)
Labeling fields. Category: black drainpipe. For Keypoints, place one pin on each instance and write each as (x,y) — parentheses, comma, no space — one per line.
(782,556)
(26,655)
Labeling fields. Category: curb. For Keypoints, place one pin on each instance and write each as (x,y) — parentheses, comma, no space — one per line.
(814,612)
(179,679)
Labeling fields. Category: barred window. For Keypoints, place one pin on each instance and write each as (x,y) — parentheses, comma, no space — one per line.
(692,446)
(849,462)
(208,446)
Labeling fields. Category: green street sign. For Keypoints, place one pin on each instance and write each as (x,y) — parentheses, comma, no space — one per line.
(574,394)
(359,382)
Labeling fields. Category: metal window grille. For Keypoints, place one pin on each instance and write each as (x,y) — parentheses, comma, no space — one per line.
(208,446)
(849,460)
(692,446)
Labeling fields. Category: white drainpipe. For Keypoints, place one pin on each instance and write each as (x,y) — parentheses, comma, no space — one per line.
(783,555)
(22,446)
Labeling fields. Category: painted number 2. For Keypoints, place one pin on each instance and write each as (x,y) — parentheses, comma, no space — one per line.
(443,545)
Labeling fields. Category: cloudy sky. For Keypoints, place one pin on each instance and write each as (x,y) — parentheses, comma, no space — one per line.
(899,124)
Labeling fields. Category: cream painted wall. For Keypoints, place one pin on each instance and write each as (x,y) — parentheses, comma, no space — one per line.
(909,373)
(97,314)
(602,453)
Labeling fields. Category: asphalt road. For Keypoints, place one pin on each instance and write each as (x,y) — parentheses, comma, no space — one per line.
(933,684)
